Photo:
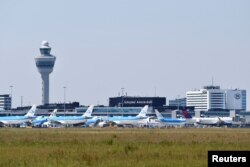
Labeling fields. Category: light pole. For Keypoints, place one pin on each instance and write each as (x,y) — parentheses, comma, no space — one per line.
(178,101)
(11,87)
(234,103)
(64,97)
(155,91)
(122,100)
(107,108)
(21,101)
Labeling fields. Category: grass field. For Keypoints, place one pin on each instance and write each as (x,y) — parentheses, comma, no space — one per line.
(116,147)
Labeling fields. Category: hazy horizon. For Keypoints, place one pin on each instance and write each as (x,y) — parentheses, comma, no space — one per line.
(146,47)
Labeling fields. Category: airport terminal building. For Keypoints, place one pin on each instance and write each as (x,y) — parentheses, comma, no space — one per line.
(5,102)
(179,102)
(214,98)
(133,101)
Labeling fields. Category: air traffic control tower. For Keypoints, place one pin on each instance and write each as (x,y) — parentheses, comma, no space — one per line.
(45,63)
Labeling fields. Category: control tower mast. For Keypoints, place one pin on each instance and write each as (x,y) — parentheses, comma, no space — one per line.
(45,63)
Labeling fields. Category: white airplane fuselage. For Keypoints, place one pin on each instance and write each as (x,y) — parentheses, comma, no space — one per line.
(125,120)
(213,121)
(69,120)
(14,120)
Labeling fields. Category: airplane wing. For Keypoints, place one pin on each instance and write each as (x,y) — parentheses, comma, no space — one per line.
(223,122)
(220,119)
(57,122)
(69,122)
(4,122)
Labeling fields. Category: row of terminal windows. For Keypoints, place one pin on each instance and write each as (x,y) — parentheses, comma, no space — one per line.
(45,64)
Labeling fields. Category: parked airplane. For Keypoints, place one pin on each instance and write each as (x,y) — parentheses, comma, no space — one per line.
(17,120)
(123,121)
(218,121)
(73,120)
(169,121)
(93,121)
(43,120)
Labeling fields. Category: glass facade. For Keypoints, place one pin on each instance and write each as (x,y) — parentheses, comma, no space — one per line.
(217,100)
(181,102)
(112,111)
(244,100)
(5,102)
(41,63)
(45,51)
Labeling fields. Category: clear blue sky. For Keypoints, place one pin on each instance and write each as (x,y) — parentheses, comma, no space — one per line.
(102,46)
